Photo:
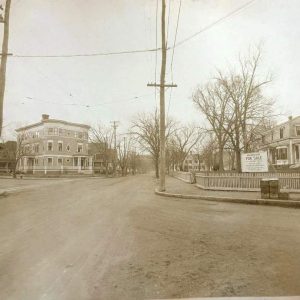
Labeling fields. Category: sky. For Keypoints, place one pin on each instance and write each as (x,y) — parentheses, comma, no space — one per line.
(101,89)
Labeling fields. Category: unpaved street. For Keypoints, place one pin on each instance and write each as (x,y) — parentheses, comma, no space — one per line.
(94,238)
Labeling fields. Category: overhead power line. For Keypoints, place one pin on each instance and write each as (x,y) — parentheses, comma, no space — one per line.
(86,105)
(88,54)
(214,23)
(156,49)
(172,59)
(155,69)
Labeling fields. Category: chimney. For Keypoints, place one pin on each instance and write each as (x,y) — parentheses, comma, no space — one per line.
(45,117)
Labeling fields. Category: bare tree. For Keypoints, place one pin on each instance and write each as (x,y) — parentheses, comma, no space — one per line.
(145,127)
(182,142)
(213,101)
(101,140)
(235,107)
(125,154)
(250,108)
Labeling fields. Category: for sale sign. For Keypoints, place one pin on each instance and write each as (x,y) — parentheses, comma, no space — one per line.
(255,162)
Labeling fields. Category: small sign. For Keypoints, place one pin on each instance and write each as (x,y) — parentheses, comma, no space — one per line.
(255,162)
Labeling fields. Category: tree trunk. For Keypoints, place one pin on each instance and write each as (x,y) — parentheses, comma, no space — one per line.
(156,165)
(221,161)
(238,160)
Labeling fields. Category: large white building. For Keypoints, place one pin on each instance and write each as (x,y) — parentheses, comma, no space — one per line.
(54,146)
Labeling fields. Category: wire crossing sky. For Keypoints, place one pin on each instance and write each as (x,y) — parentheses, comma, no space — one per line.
(90,62)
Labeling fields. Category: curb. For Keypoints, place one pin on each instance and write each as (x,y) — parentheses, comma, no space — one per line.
(271,202)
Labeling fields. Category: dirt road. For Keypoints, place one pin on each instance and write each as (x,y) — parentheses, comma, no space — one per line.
(114,239)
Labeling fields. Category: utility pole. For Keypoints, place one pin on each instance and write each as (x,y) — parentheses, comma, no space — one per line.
(4,55)
(162,86)
(115,126)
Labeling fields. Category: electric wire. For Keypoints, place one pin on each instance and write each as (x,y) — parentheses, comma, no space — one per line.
(172,58)
(87,105)
(240,8)
(87,54)
(155,70)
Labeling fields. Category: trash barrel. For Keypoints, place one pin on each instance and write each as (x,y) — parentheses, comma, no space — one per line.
(274,188)
(265,188)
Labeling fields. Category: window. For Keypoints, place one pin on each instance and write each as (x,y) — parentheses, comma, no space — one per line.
(60,131)
(79,148)
(55,131)
(68,148)
(282,153)
(80,135)
(298,130)
(50,131)
(75,134)
(59,161)
(27,148)
(281,132)
(75,161)
(50,146)
(272,135)
(36,161)
(263,139)
(297,151)
(36,148)
(50,161)
(60,146)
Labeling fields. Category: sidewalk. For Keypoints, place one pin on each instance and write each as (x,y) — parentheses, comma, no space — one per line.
(179,189)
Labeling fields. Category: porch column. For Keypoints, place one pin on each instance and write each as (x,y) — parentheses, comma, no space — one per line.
(90,163)
(79,163)
(291,158)
(25,164)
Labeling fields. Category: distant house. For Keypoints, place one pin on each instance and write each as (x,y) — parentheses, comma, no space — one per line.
(102,157)
(7,156)
(54,146)
(193,163)
(283,143)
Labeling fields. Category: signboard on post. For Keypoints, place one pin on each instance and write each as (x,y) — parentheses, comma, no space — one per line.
(255,162)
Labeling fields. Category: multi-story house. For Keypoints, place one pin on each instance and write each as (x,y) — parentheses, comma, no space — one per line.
(7,156)
(283,143)
(54,146)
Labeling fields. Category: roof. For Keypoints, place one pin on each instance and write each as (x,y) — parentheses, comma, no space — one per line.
(282,124)
(52,121)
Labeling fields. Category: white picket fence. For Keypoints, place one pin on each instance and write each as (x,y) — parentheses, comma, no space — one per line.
(245,181)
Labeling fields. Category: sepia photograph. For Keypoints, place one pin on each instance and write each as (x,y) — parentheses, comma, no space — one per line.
(149,149)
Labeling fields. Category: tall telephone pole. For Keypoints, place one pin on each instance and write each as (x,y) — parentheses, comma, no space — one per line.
(4,55)
(162,86)
(115,126)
